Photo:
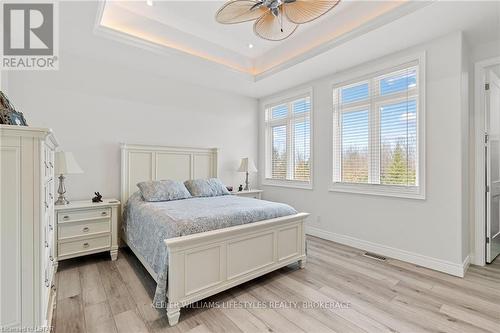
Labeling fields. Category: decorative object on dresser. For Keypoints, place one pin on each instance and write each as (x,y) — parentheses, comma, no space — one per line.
(8,114)
(65,165)
(97,198)
(27,227)
(85,227)
(256,194)
(240,188)
(247,166)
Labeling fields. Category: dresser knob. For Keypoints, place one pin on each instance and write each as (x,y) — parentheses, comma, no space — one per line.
(46,244)
(86,229)
(47,283)
(51,196)
(51,227)
(46,204)
(85,244)
(66,217)
(51,258)
(104,213)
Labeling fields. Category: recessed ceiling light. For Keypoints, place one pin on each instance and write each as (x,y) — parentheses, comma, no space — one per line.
(149,2)
(250,45)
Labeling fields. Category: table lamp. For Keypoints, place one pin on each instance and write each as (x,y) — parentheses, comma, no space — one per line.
(247,166)
(65,165)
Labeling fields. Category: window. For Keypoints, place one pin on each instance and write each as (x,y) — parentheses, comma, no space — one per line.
(376,134)
(288,142)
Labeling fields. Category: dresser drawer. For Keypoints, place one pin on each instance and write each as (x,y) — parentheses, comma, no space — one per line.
(83,214)
(90,244)
(82,228)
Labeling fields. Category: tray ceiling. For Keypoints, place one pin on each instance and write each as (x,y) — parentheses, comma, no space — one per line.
(189,27)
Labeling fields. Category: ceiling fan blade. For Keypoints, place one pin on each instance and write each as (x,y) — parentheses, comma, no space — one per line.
(303,11)
(238,11)
(271,28)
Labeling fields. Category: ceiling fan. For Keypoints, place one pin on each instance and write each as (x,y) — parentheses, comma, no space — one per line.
(275,20)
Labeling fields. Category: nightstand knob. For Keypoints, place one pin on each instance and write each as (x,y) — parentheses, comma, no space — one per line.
(66,217)
(104,213)
(86,229)
(85,244)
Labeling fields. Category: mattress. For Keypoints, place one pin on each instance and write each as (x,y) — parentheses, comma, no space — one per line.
(147,224)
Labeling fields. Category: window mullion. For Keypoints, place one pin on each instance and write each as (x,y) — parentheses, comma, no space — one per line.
(290,144)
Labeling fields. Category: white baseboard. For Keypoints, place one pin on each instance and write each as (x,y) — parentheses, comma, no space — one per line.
(411,257)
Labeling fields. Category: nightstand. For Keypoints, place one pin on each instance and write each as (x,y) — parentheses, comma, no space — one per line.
(256,194)
(84,227)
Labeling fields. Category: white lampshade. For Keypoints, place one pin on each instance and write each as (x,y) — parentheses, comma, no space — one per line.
(247,165)
(66,163)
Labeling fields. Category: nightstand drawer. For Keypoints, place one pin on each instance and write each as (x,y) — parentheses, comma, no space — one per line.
(83,228)
(83,214)
(73,248)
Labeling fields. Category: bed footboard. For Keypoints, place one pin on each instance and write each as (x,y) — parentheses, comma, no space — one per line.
(205,264)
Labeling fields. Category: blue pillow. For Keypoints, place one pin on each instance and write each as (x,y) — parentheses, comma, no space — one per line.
(163,190)
(211,187)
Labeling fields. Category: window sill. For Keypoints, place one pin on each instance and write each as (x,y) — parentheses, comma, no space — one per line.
(287,183)
(417,193)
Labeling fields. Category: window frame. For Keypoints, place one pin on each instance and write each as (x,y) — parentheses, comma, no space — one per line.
(370,72)
(289,121)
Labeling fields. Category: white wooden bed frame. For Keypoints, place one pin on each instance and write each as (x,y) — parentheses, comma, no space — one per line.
(203,264)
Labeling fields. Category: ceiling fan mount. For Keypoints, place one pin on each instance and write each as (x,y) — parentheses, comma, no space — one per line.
(275,20)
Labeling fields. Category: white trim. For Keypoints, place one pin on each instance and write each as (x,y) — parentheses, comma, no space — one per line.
(456,269)
(374,69)
(479,247)
(279,99)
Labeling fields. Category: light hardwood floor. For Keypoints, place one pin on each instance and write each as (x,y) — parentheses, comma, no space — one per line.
(95,294)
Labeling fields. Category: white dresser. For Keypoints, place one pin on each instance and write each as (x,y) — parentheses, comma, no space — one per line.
(27,227)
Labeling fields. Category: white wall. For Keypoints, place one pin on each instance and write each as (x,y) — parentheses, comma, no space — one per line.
(93,105)
(427,230)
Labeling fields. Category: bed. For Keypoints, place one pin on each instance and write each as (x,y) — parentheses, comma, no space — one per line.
(197,247)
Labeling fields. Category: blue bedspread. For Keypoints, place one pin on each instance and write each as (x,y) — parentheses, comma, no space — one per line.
(147,224)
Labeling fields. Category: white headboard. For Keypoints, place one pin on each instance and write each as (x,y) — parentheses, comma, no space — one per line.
(142,162)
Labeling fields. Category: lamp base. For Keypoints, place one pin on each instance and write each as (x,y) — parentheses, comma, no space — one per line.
(61,201)
(247,183)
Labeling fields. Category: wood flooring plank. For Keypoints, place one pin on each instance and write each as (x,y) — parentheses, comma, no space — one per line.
(68,283)
(116,291)
(70,317)
(92,289)
(130,322)
(98,318)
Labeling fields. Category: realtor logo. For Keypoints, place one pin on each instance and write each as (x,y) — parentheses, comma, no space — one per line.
(29,36)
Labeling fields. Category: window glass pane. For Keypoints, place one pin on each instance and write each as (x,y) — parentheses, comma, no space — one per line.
(301,106)
(398,139)
(279,111)
(400,81)
(354,146)
(354,93)
(302,153)
(279,161)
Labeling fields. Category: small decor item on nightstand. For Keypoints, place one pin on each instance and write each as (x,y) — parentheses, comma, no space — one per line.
(229,188)
(65,165)
(240,188)
(247,166)
(97,198)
